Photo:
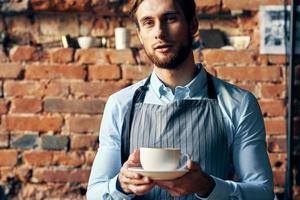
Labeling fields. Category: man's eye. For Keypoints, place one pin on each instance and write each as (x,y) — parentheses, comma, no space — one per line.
(170,19)
(148,23)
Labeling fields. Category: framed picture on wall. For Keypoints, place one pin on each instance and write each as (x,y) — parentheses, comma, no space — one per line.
(275,30)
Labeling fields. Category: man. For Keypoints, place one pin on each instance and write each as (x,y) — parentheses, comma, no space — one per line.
(180,105)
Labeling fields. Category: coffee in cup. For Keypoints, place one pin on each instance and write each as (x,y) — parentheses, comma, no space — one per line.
(161,159)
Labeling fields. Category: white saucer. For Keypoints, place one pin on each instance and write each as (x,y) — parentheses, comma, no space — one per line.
(159,175)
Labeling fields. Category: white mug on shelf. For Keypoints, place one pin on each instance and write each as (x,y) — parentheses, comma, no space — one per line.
(122,38)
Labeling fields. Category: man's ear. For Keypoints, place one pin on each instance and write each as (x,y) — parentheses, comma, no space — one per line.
(194,26)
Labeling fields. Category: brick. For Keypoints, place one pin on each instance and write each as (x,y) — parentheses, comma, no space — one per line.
(23,53)
(102,26)
(3,56)
(249,5)
(104,72)
(273,108)
(84,142)
(276,144)
(63,176)
(250,73)
(273,90)
(279,178)
(54,26)
(248,86)
(24,89)
(28,141)
(278,59)
(135,72)
(53,142)
(37,72)
(40,5)
(99,89)
(4,140)
(262,59)
(249,23)
(24,174)
(72,159)
(208,6)
(33,123)
(83,124)
(72,5)
(217,57)
(231,28)
(105,56)
(277,160)
(26,105)
(91,56)
(61,55)
(124,56)
(8,157)
(275,126)
(54,190)
(15,6)
(57,89)
(38,158)
(3,106)
(90,106)
(10,70)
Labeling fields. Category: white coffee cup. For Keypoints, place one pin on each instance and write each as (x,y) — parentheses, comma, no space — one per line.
(88,42)
(161,159)
(122,38)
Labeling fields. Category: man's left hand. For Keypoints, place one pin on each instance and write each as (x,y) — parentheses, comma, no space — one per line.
(195,181)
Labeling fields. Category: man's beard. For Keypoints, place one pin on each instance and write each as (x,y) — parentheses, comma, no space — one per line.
(174,60)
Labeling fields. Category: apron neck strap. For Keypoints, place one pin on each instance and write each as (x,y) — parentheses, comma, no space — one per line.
(211,91)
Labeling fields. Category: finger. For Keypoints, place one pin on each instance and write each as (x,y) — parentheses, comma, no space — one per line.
(192,165)
(132,175)
(140,189)
(142,181)
(135,156)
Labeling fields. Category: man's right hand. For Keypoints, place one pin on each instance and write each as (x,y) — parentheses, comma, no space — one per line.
(132,182)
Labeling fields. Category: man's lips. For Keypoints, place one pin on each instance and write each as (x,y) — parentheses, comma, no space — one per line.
(163,47)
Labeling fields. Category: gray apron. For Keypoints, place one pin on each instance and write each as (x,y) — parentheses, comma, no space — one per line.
(194,126)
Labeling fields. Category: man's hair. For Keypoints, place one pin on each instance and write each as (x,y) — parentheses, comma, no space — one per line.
(188,7)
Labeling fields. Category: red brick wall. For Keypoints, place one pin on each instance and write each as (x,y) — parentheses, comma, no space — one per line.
(52,99)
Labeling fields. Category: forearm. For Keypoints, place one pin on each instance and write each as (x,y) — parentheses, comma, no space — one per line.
(103,177)
(105,190)
(258,190)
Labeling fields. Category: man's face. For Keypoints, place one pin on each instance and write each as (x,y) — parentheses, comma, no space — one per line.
(164,32)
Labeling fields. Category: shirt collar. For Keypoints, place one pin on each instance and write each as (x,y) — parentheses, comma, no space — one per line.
(194,88)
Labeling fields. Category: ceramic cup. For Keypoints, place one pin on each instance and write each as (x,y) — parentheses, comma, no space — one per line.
(122,38)
(161,159)
(88,42)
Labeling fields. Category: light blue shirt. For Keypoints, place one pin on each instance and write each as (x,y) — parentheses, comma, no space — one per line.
(243,123)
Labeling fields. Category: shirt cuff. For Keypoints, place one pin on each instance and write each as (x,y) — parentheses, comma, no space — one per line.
(116,194)
(221,191)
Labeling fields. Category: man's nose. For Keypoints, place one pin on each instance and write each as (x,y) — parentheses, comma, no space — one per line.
(160,31)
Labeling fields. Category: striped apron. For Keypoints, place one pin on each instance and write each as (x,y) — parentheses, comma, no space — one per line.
(194,126)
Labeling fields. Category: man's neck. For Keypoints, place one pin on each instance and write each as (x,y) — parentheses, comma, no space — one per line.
(181,76)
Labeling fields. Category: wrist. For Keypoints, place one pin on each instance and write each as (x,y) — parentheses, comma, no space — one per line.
(208,190)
